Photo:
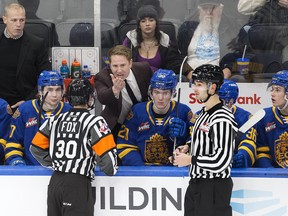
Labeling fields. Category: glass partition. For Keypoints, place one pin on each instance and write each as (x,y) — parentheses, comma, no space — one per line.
(250,41)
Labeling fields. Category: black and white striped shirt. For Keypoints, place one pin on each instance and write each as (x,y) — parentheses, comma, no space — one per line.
(212,143)
(74,138)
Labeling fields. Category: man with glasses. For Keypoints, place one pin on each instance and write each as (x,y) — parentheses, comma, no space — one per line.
(148,134)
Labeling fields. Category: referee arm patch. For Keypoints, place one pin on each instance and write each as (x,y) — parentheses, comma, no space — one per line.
(41,141)
(103,145)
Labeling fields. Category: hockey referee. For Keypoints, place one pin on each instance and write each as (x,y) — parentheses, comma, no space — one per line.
(71,144)
(211,149)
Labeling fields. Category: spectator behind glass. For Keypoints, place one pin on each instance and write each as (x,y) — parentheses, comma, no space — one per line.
(111,88)
(5,118)
(199,40)
(271,132)
(27,119)
(31,7)
(126,10)
(149,44)
(82,35)
(147,135)
(250,7)
(266,41)
(23,57)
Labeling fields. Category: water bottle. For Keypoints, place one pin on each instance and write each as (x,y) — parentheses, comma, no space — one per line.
(64,69)
(86,73)
(75,69)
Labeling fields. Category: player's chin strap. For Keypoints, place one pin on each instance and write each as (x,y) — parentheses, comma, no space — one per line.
(209,95)
(40,111)
(286,104)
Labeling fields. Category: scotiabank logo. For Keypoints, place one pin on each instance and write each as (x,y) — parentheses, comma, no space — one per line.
(249,100)
(254,99)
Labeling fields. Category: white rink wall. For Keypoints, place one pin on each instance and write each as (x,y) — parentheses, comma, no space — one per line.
(143,191)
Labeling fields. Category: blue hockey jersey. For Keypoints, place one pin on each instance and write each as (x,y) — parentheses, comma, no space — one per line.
(241,116)
(144,139)
(266,143)
(24,125)
(5,118)
(272,139)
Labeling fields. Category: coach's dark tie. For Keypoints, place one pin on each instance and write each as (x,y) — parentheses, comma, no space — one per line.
(130,93)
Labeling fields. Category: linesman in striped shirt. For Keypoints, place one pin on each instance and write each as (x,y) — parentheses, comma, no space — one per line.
(71,144)
(211,149)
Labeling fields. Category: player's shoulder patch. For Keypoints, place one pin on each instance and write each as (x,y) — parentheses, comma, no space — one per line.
(194,117)
(9,110)
(190,115)
(16,114)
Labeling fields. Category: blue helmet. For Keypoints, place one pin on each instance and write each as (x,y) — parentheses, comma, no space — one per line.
(228,90)
(49,78)
(163,79)
(281,79)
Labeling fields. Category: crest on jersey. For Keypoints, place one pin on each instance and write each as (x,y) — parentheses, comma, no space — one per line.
(270,126)
(144,126)
(156,150)
(31,122)
(281,149)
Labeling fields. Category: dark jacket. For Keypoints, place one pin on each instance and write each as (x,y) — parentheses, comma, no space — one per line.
(113,106)
(33,59)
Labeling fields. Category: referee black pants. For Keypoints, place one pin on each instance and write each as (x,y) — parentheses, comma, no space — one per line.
(208,197)
(70,195)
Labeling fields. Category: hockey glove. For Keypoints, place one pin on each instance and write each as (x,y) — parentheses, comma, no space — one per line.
(240,160)
(17,162)
(177,128)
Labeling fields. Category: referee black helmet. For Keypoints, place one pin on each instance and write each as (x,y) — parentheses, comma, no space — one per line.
(209,73)
(79,92)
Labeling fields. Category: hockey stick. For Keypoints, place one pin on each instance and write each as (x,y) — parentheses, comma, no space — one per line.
(245,127)
(252,121)
(178,100)
(40,111)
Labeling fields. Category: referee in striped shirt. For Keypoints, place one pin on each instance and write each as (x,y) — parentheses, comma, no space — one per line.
(70,144)
(211,149)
